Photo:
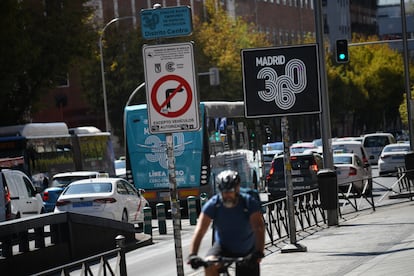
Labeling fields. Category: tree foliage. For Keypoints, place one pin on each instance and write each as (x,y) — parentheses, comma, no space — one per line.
(39,42)
(219,39)
(369,89)
(124,72)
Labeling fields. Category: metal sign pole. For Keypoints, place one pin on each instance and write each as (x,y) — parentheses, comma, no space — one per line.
(175,205)
(294,246)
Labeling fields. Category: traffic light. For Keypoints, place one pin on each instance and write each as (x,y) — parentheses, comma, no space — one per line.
(253,140)
(342,55)
(268,132)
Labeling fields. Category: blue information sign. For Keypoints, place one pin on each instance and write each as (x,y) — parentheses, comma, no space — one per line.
(166,22)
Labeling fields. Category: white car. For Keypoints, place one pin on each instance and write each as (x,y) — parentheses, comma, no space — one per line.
(19,198)
(350,169)
(374,144)
(113,198)
(303,147)
(392,157)
(353,146)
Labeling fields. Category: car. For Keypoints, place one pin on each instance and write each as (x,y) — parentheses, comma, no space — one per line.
(301,147)
(392,157)
(352,146)
(21,198)
(269,151)
(350,169)
(60,181)
(304,174)
(374,143)
(108,197)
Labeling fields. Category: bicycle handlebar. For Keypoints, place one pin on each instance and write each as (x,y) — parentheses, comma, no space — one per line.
(225,261)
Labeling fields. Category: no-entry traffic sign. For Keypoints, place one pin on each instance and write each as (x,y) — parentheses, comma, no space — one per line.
(171,88)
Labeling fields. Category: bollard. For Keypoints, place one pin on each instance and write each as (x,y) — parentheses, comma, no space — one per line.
(148,220)
(162,228)
(120,243)
(203,199)
(192,210)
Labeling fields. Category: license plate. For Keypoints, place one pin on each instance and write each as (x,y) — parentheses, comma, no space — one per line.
(295,172)
(82,204)
(297,179)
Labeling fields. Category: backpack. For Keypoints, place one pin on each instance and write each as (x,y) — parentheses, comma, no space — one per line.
(252,192)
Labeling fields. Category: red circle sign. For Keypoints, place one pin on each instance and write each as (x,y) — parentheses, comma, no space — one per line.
(182,83)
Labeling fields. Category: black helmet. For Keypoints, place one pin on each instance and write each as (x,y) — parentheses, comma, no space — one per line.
(227,180)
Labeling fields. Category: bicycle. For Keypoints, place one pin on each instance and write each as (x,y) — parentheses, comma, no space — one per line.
(244,266)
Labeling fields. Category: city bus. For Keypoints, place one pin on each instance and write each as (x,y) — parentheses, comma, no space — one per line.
(43,149)
(222,142)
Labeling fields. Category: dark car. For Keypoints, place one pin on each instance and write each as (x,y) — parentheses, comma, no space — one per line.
(304,174)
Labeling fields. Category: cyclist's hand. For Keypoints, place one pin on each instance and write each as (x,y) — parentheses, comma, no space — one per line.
(195,261)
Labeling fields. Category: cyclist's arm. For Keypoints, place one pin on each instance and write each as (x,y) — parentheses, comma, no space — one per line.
(202,226)
(256,220)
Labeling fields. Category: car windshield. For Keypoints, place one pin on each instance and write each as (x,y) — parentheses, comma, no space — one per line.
(66,180)
(88,188)
(376,141)
(342,160)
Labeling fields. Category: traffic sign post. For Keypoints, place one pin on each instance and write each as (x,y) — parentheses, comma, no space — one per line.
(279,82)
(172,99)
(171,88)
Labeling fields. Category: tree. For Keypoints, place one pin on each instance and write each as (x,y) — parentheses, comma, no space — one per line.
(124,72)
(219,40)
(124,64)
(39,42)
(369,89)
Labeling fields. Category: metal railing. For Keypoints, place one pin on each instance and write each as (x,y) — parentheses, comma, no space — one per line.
(101,260)
(308,213)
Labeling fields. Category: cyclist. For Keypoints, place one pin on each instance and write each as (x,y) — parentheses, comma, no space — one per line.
(238,227)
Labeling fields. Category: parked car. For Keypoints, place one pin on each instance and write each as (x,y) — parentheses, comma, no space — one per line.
(304,174)
(374,143)
(392,157)
(21,198)
(350,169)
(60,181)
(113,198)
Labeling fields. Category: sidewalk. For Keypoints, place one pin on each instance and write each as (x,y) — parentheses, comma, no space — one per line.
(364,243)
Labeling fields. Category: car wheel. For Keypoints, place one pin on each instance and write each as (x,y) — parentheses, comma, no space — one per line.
(124,216)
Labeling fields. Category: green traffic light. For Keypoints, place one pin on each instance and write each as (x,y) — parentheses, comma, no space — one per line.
(342,55)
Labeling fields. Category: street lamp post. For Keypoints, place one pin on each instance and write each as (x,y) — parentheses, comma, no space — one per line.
(107,128)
